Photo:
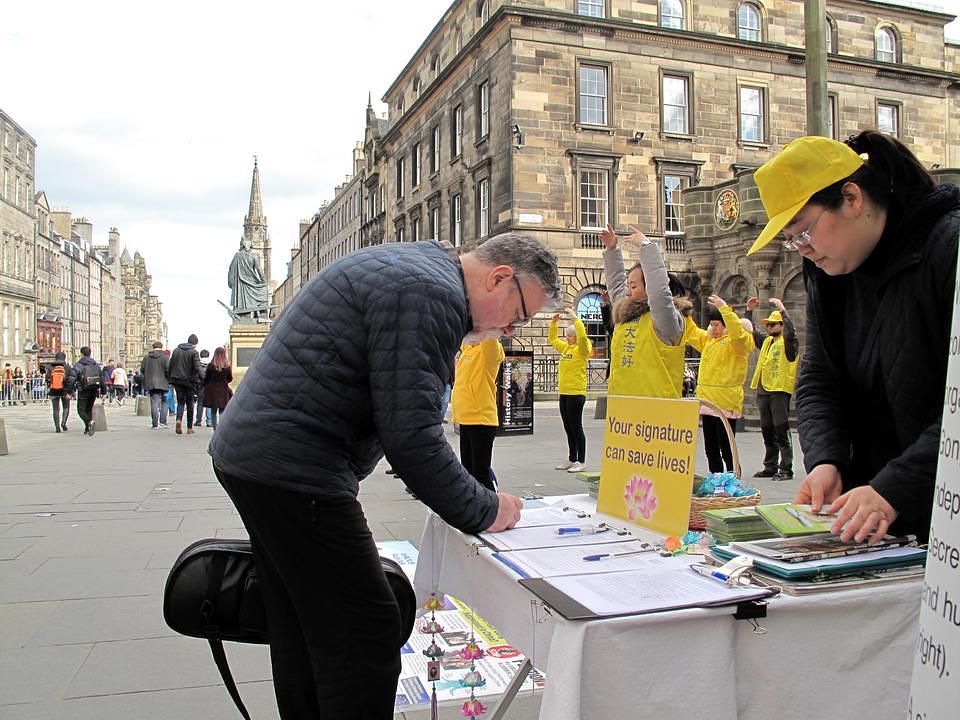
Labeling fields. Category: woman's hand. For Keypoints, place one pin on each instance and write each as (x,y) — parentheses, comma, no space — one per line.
(637,239)
(608,237)
(822,485)
(752,304)
(715,301)
(862,512)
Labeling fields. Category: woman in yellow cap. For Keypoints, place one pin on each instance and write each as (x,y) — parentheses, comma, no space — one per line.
(651,321)
(724,349)
(574,356)
(878,239)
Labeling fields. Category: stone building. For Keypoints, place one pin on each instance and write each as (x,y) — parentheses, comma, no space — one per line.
(143,312)
(556,117)
(17,245)
(74,283)
(333,232)
(47,281)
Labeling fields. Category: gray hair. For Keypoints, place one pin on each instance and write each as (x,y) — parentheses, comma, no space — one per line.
(528,258)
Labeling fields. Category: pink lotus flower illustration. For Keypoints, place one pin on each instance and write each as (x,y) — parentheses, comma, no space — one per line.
(641,502)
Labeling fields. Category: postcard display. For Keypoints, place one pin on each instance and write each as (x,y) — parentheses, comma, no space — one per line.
(934,694)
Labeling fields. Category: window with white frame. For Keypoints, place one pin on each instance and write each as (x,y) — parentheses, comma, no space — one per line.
(752,116)
(748,22)
(401,236)
(594,194)
(456,132)
(415,165)
(435,222)
(833,120)
(456,219)
(831,31)
(483,207)
(591,8)
(415,229)
(673,177)
(483,110)
(400,174)
(672,14)
(888,118)
(886,45)
(435,150)
(435,67)
(484,11)
(416,88)
(593,94)
(675,106)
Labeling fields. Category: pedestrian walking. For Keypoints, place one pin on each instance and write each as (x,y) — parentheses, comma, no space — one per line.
(6,389)
(120,380)
(216,385)
(185,377)
(650,314)
(86,378)
(353,368)
(724,351)
(878,238)
(475,406)
(774,379)
(575,353)
(19,387)
(106,386)
(155,371)
(204,362)
(58,390)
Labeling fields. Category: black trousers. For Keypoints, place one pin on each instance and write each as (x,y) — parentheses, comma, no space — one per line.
(85,400)
(717,444)
(775,427)
(55,402)
(571,412)
(184,401)
(476,451)
(334,622)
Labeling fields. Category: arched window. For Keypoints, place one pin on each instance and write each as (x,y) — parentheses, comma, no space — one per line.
(672,14)
(748,22)
(458,44)
(483,10)
(831,30)
(588,310)
(416,88)
(886,44)
(435,66)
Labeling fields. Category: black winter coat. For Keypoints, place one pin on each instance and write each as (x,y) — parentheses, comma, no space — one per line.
(185,368)
(355,366)
(876,414)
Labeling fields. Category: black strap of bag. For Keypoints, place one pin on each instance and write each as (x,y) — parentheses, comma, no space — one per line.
(220,658)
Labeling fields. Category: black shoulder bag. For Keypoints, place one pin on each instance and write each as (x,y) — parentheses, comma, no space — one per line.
(212,592)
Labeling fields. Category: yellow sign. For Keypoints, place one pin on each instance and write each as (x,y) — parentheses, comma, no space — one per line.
(647,471)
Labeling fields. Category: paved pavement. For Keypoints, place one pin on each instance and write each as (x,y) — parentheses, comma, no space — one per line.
(89,528)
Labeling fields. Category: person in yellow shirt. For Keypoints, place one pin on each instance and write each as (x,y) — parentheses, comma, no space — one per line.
(574,352)
(774,379)
(475,406)
(650,321)
(724,350)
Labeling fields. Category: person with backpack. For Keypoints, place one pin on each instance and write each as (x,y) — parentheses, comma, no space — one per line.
(85,377)
(59,391)
(185,378)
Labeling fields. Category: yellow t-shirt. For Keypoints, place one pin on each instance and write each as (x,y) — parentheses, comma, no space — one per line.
(573,359)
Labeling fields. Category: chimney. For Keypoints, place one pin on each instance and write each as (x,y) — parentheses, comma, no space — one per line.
(84,228)
(114,243)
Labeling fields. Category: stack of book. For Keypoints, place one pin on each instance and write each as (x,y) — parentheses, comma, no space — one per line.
(736,524)
(592,479)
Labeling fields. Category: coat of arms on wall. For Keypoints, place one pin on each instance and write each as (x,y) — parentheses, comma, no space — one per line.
(726,211)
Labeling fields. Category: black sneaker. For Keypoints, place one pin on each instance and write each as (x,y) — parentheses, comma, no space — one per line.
(765,473)
(64,426)
(784,475)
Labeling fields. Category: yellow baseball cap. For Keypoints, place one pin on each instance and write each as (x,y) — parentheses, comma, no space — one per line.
(774,317)
(788,181)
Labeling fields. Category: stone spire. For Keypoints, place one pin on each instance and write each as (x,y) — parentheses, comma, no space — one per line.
(255,225)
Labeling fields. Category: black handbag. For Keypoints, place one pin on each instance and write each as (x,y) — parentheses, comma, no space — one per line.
(212,592)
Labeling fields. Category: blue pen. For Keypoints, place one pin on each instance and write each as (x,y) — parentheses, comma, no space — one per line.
(709,572)
(601,556)
(589,530)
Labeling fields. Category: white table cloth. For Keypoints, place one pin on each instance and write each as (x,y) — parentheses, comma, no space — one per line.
(841,654)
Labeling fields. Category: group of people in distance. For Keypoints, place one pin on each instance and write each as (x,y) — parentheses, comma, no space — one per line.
(357,366)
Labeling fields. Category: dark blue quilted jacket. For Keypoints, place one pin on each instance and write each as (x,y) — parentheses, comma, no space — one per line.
(354,367)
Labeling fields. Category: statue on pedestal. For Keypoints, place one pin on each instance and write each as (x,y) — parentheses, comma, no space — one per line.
(248,288)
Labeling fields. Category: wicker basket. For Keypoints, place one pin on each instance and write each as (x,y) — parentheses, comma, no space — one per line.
(698,504)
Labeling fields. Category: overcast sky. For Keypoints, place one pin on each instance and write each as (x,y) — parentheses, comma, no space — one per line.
(147,118)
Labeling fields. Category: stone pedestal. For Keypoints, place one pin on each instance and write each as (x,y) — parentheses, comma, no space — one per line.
(4,450)
(143,405)
(99,417)
(246,340)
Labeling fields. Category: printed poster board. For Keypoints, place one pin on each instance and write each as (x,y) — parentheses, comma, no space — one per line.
(935,686)
(515,393)
(646,475)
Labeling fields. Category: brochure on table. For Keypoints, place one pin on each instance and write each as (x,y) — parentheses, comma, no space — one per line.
(646,475)
(935,687)
(891,557)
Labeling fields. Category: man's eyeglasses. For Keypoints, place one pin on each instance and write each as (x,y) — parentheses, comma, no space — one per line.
(520,322)
(795,242)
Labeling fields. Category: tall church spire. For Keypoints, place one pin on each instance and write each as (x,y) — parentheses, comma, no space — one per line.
(255,225)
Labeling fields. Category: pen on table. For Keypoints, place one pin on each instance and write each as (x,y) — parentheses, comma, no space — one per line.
(588,530)
(601,556)
(709,572)
(800,518)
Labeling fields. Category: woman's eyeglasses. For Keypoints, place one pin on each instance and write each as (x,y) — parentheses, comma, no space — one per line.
(798,240)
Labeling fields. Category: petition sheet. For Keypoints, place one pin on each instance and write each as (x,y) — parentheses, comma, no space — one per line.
(584,560)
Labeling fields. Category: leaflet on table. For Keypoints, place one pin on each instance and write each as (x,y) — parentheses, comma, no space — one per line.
(817,547)
(578,560)
(637,591)
(498,666)
(556,515)
(881,558)
(845,581)
(579,532)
